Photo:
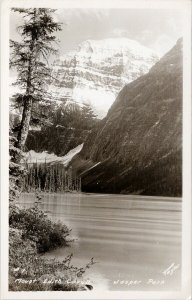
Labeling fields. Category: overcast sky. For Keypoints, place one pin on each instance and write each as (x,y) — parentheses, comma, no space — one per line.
(158,29)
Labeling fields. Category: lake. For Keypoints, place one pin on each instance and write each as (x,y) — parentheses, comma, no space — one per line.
(133,239)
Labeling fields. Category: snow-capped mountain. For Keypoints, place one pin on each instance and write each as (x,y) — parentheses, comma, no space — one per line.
(98,69)
(137,148)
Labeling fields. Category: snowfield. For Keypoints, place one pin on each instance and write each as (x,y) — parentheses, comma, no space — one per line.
(41,157)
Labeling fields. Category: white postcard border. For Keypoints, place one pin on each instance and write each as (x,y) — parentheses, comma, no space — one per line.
(185,293)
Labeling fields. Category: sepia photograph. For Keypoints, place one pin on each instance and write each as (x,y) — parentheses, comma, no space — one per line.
(96,141)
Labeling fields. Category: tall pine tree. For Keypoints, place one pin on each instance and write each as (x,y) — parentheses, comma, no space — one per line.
(30,58)
(88,116)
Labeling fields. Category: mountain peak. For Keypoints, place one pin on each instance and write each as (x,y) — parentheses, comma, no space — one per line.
(98,69)
(118,44)
(138,144)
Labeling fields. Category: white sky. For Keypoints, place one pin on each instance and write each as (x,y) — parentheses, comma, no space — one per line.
(158,29)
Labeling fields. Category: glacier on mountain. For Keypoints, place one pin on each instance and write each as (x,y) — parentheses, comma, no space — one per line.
(95,73)
(40,157)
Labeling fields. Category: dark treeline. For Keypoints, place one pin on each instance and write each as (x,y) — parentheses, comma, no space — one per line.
(57,128)
(50,178)
(162,177)
(69,125)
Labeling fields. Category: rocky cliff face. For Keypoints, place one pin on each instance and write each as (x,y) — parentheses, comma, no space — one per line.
(137,147)
(97,71)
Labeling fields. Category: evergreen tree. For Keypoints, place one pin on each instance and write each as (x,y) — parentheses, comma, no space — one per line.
(30,58)
(88,116)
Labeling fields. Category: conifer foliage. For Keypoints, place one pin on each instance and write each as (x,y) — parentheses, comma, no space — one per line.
(29,57)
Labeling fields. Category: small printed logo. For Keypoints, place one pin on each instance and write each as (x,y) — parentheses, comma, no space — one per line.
(171,269)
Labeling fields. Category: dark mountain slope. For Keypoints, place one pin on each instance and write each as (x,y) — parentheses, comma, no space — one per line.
(137,147)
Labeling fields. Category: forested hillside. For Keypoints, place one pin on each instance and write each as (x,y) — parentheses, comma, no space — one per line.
(68,127)
(137,147)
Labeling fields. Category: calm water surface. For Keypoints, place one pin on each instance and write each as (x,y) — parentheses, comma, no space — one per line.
(132,238)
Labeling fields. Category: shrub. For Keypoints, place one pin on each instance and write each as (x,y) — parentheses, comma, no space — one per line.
(26,265)
(36,226)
